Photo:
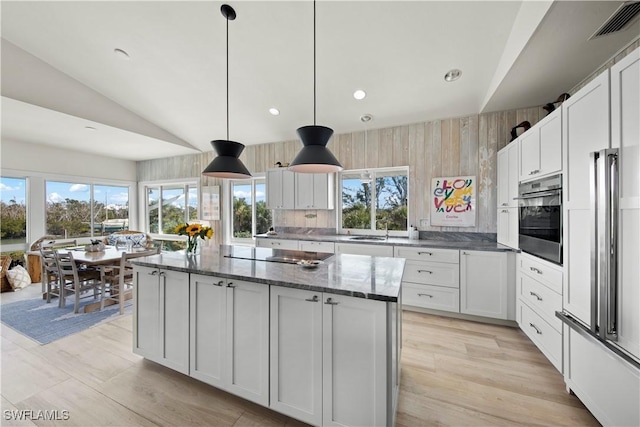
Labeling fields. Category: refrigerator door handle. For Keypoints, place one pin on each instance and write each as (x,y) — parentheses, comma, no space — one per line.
(611,332)
(594,158)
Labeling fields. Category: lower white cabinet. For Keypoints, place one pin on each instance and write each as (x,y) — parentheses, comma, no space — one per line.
(230,336)
(330,363)
(487,284)
(161,317)
(311,246)
(277,243)
(364,249)
(508,227)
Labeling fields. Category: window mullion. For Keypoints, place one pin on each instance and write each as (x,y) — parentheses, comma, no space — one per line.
(374,197)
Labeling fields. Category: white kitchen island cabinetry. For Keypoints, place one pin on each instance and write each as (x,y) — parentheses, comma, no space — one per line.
(329,364)
(314,191)
(161,317)
(312,246)
(277,243)
(230,336)
(364,249)
(280,189)
(487,284)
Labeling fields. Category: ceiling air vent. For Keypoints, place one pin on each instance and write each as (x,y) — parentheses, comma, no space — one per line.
(620,18)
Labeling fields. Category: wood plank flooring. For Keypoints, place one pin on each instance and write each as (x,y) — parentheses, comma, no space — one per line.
(454,373)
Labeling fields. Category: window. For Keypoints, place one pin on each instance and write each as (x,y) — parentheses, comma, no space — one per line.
(249,208)
(13,211)
(85,210)
(169,205)
(374,200)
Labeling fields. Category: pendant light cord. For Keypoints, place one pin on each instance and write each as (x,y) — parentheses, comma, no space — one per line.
(227,78)
(314,62)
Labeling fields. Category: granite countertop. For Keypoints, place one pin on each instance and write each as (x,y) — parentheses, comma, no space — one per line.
(360,276)
(469,245)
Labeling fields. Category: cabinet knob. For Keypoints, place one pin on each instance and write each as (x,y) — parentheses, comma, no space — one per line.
(535,270)
(330,301)
(425,271)
(536,328)
(538,297)
(314,299)
(425,295)
(504,211)
(230,285)
(220,283)
(425,253)
(153,273)
(162,273)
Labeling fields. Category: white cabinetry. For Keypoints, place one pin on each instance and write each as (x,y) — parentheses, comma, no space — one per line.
(541,148)
(431,278)
(487,284)
(314,191)
(539,290)
(364,249)
(329,358)
(508,173)
(230,336)
(269,242)
(309,246)
(586,130)
(161,317)
(280,189)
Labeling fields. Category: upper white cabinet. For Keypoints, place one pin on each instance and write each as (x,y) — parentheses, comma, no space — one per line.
(508,175)
(314,191)
(487,284)
(280,189)
(541,148)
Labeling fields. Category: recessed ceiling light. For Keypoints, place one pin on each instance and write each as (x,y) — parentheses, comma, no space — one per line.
(359,94)
(91,128)
(366,118)
(453,75)
(274,111)
(122,54)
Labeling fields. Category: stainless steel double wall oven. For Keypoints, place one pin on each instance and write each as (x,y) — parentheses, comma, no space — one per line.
(540,225)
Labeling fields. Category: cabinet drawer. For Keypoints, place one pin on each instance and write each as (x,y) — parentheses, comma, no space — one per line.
(432,273)
(542,271)
(364,249)
(277,244)
(541,299)
(548,340)
(328,247)
(428,254)
(434,297)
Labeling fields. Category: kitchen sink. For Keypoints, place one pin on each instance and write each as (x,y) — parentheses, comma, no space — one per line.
(367,238)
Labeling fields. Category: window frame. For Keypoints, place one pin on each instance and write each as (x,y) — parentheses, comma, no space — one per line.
(16,247)
(256,179)
(372,231)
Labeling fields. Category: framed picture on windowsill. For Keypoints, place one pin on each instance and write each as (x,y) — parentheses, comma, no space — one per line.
(210,203)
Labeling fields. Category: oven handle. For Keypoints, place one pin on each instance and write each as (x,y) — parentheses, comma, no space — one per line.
(534,195)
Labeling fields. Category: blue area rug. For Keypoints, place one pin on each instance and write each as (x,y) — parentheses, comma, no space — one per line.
(46,323)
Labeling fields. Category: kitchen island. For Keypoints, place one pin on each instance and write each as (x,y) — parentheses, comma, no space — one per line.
(320,345)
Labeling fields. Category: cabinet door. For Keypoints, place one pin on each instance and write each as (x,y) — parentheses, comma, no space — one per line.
(296,353)
(327,247)
(174,322)
(484,287)
(321,191)
(247,345)
(625,135)
(208,329)
(585,130)
(274,189)
(530,154)
(354,362)
(364,249)
(288,190)
(146,313)
(304,190)
(269,242)
(513,177)
(503,226)
(551,143)
(503,177)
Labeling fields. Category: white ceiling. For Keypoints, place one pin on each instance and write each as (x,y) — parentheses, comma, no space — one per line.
(60,74)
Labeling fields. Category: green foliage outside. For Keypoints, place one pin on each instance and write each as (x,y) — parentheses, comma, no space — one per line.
(13,222)
(242,218)
(72,218)
(390,204)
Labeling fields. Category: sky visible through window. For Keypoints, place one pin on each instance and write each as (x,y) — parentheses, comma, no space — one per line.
(13,189)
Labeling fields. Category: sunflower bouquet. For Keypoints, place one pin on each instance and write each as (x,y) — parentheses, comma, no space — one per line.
(193,231)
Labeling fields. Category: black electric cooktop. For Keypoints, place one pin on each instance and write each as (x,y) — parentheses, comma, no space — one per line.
(275,255)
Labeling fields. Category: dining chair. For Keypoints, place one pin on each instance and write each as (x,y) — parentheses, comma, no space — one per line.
(77,280)
(50,275)
(119,278)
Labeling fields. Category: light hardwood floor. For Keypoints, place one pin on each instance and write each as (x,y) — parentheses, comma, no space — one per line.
(454,373)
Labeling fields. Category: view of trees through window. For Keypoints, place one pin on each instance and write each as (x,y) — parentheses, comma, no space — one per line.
(170,205)
(250,208)
(84,210)
(13,210)
(375,200)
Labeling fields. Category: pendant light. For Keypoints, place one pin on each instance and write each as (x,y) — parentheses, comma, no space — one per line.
(227,163)
(315,157)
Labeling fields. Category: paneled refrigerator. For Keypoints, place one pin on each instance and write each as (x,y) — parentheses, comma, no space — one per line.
(601,292)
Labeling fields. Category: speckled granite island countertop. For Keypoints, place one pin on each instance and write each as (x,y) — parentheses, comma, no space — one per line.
(469,245)
(361,276)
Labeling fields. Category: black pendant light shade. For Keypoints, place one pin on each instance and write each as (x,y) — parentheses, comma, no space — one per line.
(227,164)
(314,157)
